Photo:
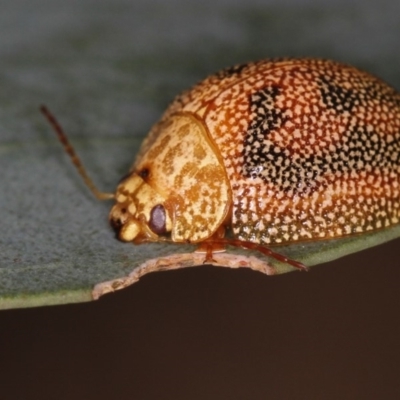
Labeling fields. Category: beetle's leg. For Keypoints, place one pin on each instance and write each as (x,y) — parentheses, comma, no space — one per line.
(262,249)
(209,254)
(212,245)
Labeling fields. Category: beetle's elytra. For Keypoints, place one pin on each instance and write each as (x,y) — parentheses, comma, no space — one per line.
(276,151)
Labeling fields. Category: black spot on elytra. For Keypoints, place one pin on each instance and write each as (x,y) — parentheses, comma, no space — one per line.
(227,72)
(266,116)
(338,97)
(297,170)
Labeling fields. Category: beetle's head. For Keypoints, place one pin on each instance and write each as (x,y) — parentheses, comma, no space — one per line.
(139,213)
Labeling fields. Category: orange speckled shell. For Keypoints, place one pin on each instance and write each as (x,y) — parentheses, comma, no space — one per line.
(310,147)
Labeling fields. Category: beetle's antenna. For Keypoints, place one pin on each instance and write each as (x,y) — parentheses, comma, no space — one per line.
(62,137)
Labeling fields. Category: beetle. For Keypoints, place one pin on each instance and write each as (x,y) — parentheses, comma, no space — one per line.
(273,152)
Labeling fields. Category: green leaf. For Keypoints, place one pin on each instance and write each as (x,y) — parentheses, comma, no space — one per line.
(59,247)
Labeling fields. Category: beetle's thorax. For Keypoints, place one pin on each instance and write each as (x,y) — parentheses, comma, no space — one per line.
(177,187)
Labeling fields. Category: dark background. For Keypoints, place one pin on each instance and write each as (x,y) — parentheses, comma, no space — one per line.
(200,333)
(212,333)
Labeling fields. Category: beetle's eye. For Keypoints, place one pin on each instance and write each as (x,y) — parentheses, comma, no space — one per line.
(157,219)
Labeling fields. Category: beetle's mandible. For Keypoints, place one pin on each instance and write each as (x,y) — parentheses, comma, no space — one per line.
(276,152)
